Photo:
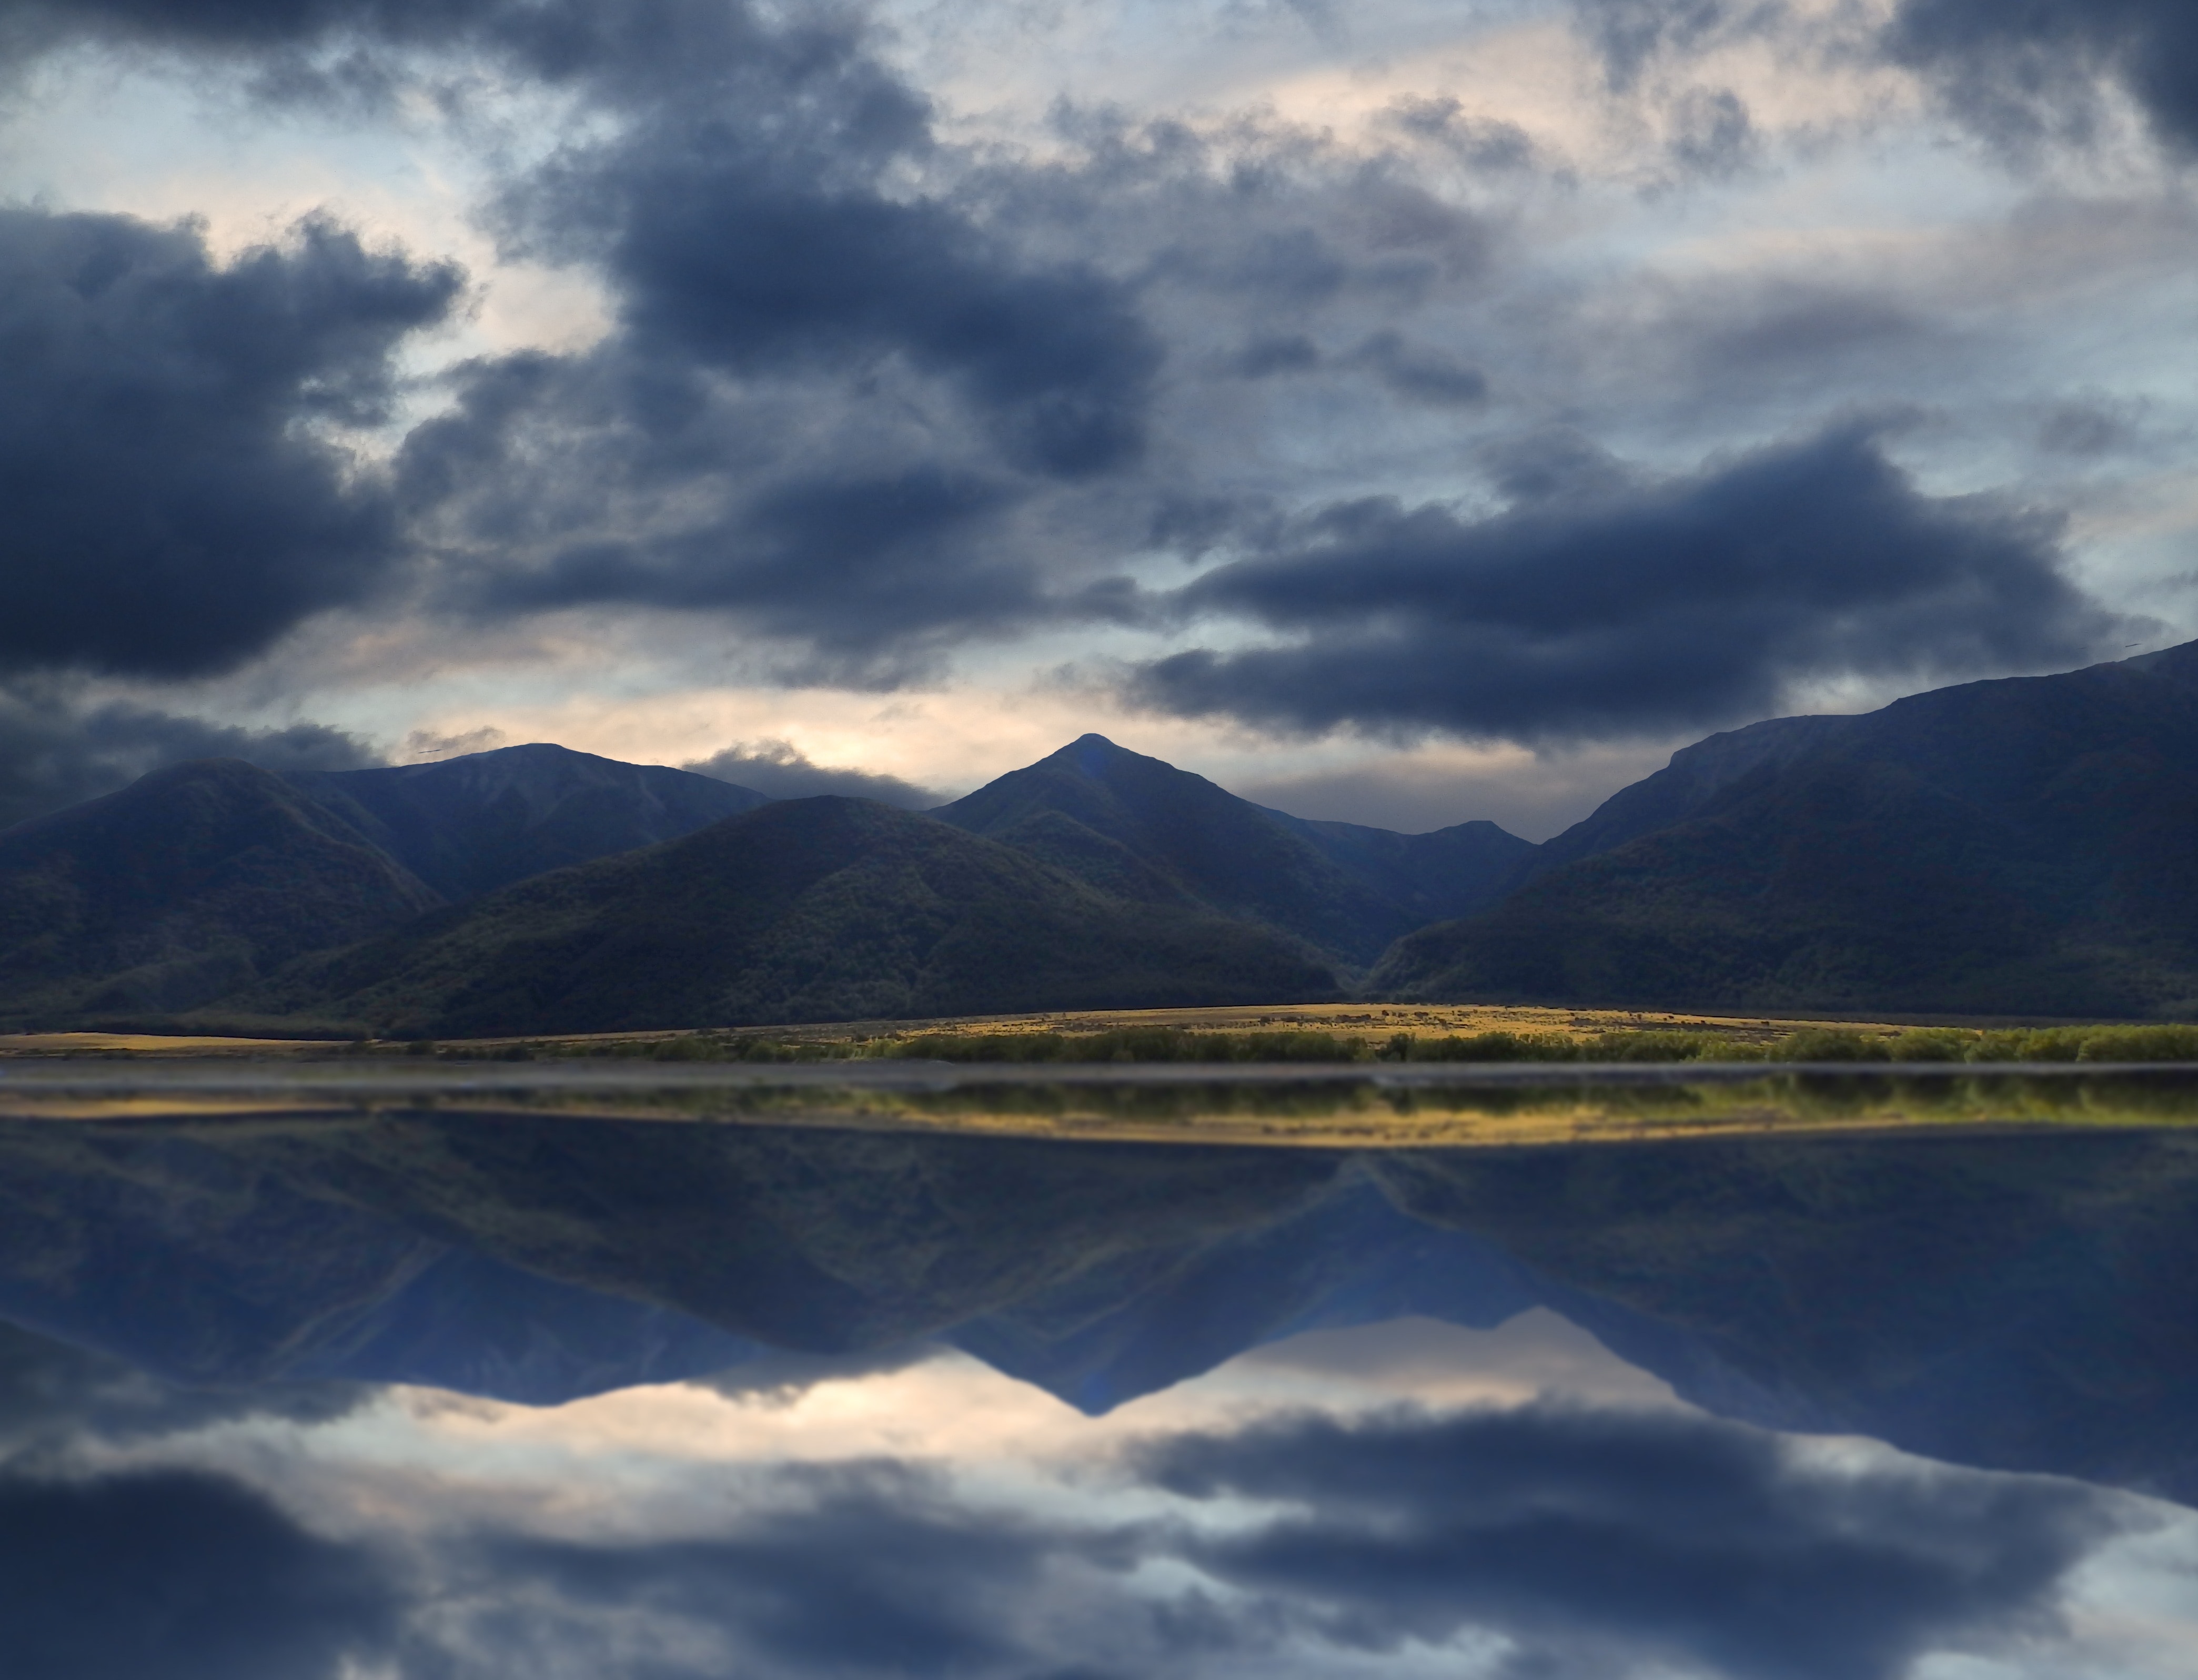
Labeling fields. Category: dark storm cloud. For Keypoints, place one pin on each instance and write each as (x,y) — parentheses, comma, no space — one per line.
(825,401)
(166,513)
(1606,1543)
(782,771)
(56,752)
(175,1575)
(2027,70)
(739,219)
(1646,608)
(720,252)
(614,479)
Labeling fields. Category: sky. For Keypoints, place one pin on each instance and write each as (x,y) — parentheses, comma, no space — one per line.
(1400,413)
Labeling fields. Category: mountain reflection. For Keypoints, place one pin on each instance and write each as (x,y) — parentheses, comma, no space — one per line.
(237,1440)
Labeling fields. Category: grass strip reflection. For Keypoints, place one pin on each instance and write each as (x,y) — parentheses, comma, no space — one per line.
(1330,1107)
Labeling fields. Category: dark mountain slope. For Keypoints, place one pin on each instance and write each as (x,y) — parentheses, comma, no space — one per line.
(180,888)
(468,826)
(805,910)
(1135,826)
(2021,847)
(1696,777)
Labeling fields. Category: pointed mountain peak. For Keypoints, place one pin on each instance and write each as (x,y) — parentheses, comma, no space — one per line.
(1095,755)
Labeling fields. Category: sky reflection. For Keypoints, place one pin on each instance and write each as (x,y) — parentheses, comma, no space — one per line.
(1401,1499)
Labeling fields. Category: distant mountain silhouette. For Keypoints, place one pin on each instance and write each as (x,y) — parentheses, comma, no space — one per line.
(469,825)
(2019,847)
(183,887)
(2012,1302)
(1140,828)
(807,910)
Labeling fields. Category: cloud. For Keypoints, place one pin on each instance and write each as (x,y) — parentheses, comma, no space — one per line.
(2023,72)
(170,507)
(1650,607)
(1631,35)
(784,771)
(54,1396)
(1600,1542)
(56,752)
(865,1569)
(1422,375)
(1576,1542)
(177,1575)
(719,250)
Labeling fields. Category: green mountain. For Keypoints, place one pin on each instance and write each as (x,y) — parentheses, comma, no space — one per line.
(1139,827)
(2013,847)
(805,910)
(467,826)
(179,889)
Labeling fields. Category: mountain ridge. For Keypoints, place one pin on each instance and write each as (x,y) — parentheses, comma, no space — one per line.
(1129,823)
(470,824)
(2015,846)
(2019,846)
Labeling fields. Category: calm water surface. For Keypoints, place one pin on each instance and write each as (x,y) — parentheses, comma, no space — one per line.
(511,1377)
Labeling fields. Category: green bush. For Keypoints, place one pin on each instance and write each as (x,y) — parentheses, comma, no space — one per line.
(1651,1046)
(1933,1044)
(1830,1043)
(1497,1047)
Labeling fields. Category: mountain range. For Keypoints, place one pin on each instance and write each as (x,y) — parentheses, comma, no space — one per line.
(2019,846)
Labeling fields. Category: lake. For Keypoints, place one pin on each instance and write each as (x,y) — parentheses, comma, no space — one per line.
(383,1373)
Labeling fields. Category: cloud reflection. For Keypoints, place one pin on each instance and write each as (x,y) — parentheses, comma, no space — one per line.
(1542,1539)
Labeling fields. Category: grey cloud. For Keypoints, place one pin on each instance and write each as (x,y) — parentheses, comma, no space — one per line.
(2030,71)
(169,512)
(1276,353)
(1481,143)
(55,1397)
(1711,133)
(1589,1541)
(613,478)
(2019,72)
(177,1575)
(785,772)
(1649,608)
(1616,1542)
(56,751)
(1631,35)
(1421,375)
(876,1572)
(719,250)
(2088,426)
(631,50)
